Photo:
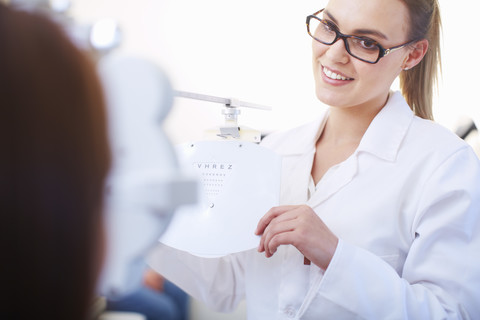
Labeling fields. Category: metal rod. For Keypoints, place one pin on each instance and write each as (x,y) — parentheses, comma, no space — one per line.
(232,103)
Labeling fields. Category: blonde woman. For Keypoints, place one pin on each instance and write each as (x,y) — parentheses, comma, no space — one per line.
(380,214)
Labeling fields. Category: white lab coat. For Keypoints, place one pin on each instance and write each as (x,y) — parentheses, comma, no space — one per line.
(406,207)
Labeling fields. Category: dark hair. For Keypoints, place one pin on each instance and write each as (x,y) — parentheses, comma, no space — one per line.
(54,160)
(418,84)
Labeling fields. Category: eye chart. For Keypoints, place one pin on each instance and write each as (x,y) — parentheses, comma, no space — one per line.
(213,177)
(238,183)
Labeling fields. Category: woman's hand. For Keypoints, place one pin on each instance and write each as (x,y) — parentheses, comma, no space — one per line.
(301,227)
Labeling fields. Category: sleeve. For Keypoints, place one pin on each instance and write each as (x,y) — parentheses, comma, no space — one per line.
(217,282)
(441,273)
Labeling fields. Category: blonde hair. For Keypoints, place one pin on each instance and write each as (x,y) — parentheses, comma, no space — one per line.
(418,83)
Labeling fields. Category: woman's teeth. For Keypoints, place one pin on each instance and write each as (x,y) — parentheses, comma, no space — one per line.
(333,75)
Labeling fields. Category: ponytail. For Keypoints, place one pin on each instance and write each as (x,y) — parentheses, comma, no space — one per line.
(418,83)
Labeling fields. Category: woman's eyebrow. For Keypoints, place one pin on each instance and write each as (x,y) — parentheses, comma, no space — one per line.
(358,31)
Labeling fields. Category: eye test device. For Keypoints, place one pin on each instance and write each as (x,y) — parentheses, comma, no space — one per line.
(239,182)
(230,129)
(203,197)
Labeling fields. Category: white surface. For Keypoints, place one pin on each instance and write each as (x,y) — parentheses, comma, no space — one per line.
(240,183)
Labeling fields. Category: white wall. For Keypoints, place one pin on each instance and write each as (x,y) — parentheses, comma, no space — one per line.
(460,59)
(257,51)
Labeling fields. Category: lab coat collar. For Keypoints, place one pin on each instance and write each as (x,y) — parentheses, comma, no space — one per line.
(387,130)
(382,138)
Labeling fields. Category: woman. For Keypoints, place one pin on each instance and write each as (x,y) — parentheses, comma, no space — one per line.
(54,161)
(380,216)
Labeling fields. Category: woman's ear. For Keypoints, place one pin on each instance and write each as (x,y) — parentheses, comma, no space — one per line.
(416,54)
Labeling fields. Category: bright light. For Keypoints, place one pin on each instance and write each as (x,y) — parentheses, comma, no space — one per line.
(105,34)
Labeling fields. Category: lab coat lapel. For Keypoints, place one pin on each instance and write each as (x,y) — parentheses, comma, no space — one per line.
(298,151)
(297,170)
(334,179)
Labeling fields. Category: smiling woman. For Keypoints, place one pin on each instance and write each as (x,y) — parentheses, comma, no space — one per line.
(375,196)
(383,65)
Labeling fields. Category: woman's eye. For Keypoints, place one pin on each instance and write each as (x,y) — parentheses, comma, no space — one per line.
(367,44)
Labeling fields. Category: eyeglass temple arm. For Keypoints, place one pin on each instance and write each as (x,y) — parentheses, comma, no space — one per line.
(390,50)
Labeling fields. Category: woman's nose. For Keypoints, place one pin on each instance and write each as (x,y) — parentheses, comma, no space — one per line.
(337,52)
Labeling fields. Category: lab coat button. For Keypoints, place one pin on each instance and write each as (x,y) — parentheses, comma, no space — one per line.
(289,312)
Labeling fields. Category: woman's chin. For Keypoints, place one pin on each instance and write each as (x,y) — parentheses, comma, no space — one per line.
(329,98)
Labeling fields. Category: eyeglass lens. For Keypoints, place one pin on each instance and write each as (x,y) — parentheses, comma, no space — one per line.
(361,48)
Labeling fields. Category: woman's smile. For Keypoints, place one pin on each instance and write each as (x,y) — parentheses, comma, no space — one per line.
(334,77)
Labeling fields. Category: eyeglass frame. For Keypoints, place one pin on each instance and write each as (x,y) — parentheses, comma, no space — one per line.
(338,35)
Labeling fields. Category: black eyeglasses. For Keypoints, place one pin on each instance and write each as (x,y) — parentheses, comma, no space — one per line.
(362,48)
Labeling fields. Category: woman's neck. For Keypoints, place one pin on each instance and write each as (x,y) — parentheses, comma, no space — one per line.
(346,126)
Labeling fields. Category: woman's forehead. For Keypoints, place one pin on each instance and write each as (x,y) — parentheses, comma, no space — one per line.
(387,17)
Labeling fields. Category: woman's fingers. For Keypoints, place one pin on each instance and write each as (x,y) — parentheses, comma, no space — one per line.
(269,216)
(272,224)
(301,227)
(274,234)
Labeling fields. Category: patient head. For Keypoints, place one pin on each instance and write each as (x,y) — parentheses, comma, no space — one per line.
(53,163)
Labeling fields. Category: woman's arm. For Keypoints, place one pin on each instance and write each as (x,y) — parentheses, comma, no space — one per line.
(218,282)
